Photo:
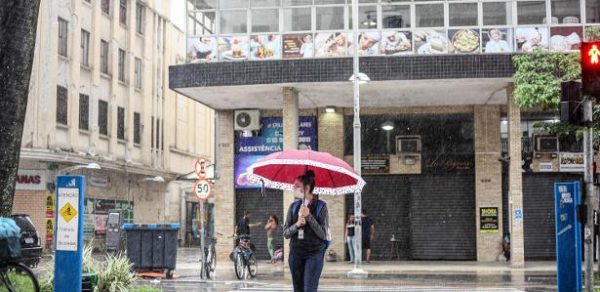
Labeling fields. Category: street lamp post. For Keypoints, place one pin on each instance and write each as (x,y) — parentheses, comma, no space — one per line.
(356,78)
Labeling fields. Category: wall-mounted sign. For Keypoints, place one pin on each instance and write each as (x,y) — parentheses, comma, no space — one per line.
(32,180)
(488,220)
(375,164)
(518,214)
(99,179)
(571,162)
(546,166)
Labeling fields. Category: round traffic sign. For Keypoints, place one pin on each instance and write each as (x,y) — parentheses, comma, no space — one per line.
(202,189)
(200,167)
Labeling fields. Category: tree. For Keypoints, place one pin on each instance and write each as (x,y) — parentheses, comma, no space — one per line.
(18,24)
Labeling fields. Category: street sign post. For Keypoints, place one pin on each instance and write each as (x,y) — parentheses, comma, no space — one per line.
(568,236)
(202,189)
(68,254)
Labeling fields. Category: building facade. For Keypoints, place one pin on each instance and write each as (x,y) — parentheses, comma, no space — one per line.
(99,94)
(452,164)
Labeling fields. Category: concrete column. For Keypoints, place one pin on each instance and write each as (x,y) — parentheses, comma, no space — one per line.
(331,137)
(114,81)
(488,178)
(95,64)
(74,73)
(515,181)
(130,79)
(290,141)
(224,189)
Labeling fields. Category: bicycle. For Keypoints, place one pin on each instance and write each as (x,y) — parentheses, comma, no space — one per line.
(244,259)
(207,269)
(16,277)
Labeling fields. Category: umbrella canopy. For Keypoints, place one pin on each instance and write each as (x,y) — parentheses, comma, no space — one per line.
(279,170)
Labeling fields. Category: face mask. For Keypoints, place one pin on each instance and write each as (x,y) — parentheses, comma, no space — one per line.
(298,194)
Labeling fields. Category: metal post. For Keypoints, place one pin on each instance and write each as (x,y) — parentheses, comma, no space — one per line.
(589,184)
(202,233)
(357,271)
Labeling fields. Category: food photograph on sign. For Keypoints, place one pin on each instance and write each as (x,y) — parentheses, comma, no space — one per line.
(497,40)
(531,38)
(368,43)
(329,45)
(233,48)
(463,41)
(202,49)
(431,41)
(394,43)
(565,39)
(298,46)
(265,47)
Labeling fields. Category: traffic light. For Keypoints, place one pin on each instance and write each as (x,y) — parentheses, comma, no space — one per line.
(571,110)
(590,68)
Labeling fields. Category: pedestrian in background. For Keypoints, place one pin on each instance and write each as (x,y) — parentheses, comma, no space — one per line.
(368,232)
(350,237)
(306,226)
(271,228)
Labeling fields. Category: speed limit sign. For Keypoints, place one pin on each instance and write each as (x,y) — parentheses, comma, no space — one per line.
(202,189)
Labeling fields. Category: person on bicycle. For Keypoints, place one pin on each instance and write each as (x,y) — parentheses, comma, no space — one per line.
(307,230)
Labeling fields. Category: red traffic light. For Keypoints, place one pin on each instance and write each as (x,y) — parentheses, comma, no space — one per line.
(590,68)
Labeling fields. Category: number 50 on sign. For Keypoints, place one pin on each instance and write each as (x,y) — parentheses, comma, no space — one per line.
(202,189)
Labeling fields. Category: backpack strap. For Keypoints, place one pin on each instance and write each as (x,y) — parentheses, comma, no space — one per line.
(296,208)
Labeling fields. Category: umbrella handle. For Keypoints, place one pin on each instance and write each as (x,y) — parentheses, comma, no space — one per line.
(263,192)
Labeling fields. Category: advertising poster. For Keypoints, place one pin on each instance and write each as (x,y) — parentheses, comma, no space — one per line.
(497,40)
(531,38)
(50,206)
(233,48)
(49,229)
(463,41)
(250,149)
(368,44)
(201,49)
(331,45)
(265,47)
(298,46)
(488,220)
(394,43)
(571,162)
(565,39)
(431,41)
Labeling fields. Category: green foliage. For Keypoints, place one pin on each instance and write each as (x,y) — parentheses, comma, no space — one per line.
(538,77)
(145,289)
(115,275)
(592,33)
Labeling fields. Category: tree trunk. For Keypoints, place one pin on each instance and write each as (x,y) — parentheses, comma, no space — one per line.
(18,24)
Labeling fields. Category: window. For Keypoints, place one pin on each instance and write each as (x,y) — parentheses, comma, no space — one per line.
(297,19)
(296,2)
(121,65)
(264,3)
(234,3)
(395,16)
(565,11)
(202,23)
(367,16)
(138,73)
(62,105)
(234,22)
(84,112)
(205,4)
(85,47)
(330,18)
(429,15)
(123,12)
(103,117)
(531,12)
(463,14)
(104,57)
(496,13)
(592,8)
(137,135)
(265,20)
(105,6)
(152,132)
(139,18)
(158,132)
(63,37)
(121,123)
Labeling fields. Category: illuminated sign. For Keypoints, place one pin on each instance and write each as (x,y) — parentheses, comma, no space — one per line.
(594,53)
(590,68)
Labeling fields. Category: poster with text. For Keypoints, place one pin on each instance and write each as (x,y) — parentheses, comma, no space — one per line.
(202,49)
(331,45)
(565,39)
(531,38)
(571,162)
(368,43)
(431,41)
(464,41)
(394,43)
(497,40)
(298,46)
(233,48)
(265,47)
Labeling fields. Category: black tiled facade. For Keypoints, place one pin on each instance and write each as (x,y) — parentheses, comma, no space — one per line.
(336,70)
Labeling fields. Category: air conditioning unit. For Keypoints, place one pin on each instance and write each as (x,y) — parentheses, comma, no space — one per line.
(247,120)
(546,144)
(408,144)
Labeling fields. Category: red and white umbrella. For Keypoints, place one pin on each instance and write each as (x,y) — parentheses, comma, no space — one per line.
(279,170)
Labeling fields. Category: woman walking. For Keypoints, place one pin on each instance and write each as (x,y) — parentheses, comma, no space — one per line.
(271,228)
(350,237)
(306,225)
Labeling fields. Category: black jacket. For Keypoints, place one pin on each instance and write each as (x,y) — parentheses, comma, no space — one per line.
(315,230)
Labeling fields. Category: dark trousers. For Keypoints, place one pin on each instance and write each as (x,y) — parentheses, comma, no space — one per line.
(306,269)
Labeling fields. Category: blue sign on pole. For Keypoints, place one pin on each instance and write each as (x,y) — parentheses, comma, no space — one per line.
(568,237)
(68,239)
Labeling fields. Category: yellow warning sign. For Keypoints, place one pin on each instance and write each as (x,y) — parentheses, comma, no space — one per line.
(68,212)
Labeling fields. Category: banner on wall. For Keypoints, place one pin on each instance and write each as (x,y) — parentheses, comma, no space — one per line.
(250,149)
